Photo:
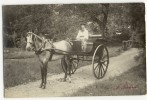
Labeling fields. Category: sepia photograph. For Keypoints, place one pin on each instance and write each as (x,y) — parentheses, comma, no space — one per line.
(73,50)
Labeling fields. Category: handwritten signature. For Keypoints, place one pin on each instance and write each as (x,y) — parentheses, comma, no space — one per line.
(126,85)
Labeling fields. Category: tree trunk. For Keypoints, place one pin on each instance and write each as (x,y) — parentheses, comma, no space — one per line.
(105,11)
(102,24)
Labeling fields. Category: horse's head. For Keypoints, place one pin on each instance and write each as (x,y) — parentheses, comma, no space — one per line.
(36,43)
(30,41)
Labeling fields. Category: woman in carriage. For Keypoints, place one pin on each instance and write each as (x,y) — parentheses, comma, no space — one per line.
(83,36)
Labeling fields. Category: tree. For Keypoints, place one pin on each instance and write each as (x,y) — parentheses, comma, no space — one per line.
(89,12)
(63,20)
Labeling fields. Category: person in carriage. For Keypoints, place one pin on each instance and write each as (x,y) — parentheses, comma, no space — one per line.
(83,36)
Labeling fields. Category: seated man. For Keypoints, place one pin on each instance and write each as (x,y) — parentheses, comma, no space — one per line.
(83,36)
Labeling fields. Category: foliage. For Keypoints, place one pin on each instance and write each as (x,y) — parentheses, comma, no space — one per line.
(63,20)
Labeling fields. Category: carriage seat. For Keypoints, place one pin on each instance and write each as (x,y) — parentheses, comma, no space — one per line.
(77,46)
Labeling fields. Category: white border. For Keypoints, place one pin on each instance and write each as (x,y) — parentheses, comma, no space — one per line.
(10,2)
(24,2)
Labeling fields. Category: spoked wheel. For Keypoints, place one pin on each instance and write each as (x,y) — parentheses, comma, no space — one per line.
(74,64)
(100,61)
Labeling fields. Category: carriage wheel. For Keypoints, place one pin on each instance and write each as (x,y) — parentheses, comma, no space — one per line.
(74,63)
(100,61)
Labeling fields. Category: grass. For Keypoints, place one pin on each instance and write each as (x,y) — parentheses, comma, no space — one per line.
(21,67)
(17,53)
(25,70)
(132,82)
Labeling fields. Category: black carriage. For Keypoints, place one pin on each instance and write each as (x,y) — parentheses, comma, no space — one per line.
(96,51)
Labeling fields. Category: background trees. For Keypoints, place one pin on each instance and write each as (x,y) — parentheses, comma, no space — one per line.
(62,20)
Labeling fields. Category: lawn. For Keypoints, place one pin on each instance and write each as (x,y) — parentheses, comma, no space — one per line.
(21,67)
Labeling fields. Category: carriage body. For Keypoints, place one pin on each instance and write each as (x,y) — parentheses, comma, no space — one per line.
(91,45)
(96,52)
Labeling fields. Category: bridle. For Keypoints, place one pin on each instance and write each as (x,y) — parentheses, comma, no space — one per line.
(42,44)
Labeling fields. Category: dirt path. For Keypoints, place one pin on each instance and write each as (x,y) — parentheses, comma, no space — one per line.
(82,78)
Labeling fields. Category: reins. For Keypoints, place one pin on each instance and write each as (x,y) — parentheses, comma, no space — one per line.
(52,50)
(42,39)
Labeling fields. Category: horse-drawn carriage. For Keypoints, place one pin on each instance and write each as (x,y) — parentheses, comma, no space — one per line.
(96,51)
(70,54)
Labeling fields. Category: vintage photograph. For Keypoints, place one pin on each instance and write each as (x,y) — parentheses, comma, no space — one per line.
(70,50)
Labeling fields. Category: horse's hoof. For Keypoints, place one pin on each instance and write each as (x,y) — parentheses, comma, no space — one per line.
(40,86)
(44,87)
(69,79)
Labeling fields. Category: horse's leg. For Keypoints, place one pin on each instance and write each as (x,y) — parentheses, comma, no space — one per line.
(69,67)
(44,71)
(41,77)
(65,64)
(45,76)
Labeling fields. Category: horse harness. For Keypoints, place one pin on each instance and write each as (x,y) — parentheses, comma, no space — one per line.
(42,48)
(52,50)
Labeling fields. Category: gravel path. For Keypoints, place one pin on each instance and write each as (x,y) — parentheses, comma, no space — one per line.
(82,78)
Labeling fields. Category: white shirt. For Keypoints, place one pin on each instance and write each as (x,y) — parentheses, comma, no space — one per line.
(29,38)
(82,35)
